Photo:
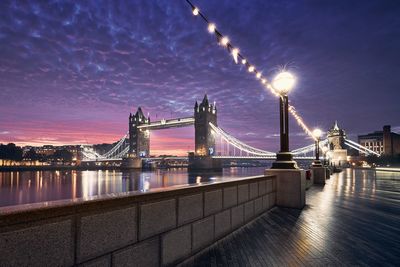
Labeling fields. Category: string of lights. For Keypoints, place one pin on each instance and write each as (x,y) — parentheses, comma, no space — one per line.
(238,57)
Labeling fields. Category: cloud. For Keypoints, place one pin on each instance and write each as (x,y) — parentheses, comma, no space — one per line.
(70,70)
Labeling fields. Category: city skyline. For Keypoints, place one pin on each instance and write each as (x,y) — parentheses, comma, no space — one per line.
(71,73)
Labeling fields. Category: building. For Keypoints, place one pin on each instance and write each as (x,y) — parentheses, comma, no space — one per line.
(337,154)
(46,150)
(382,142)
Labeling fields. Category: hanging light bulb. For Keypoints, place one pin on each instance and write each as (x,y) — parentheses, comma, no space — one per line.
(195,11)
(211,27)
(258,75)
(244,61)
(224,41)
(235,53)
(251,68)
(263,81)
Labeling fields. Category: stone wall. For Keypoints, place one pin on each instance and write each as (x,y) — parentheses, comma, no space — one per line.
(157,228)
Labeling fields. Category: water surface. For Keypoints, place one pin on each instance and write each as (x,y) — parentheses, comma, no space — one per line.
(39,186)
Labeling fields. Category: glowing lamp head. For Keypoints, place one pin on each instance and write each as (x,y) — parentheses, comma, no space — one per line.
(317,133)
(195,11)
(211,28)
(325,149)
(224,41)
(283,82)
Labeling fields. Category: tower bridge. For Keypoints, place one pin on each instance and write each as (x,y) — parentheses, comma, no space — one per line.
(204,114)
(212,143)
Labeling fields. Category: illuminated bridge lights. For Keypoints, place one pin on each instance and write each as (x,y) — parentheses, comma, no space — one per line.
(163,124)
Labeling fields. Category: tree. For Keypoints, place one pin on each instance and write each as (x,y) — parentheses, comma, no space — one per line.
(63,155)
(11,152)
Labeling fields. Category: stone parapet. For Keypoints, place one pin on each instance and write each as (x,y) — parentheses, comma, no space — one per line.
(161,227)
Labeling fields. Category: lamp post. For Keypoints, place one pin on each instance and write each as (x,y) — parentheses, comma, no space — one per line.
(317,134)
(324,151)
(283,83)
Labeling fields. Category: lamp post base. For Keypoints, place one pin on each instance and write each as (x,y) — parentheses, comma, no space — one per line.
(317,163)
(284,160)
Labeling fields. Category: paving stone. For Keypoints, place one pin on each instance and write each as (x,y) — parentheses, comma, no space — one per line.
(190,208)
(203,233)
(176,245)
(157,217)
(145,253)
(48,244)
(243,193)
(262,188)
(253,190)
(237,216)
(222,223)
(265,202)
(212,202)
(258,206)
(272,199)
(102,233)
(248,210)
(230,197)
(269,186)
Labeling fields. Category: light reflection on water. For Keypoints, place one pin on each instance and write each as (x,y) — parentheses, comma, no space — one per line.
(39,186)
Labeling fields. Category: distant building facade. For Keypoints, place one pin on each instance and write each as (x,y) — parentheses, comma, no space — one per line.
(382,142)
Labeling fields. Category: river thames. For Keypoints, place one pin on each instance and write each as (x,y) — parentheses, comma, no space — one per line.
(18,188)
(39,186)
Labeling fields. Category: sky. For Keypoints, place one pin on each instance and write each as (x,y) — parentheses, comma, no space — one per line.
(72,71)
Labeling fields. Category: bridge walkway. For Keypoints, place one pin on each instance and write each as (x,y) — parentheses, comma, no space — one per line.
(353,221)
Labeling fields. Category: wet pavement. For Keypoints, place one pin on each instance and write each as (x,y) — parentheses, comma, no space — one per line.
(354,220)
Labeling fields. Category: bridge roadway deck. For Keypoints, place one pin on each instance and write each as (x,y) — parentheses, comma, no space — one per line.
(353,221)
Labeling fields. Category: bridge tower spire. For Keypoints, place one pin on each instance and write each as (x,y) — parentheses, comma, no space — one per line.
(204,114)
(139,139)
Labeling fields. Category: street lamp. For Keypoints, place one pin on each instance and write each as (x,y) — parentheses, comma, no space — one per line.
(283,83)
(317,134)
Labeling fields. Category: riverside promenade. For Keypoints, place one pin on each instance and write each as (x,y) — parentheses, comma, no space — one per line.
(354,220)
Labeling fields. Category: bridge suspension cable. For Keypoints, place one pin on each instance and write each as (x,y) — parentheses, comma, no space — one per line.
(119,150)
(237,56)
(359,147)
(309,148)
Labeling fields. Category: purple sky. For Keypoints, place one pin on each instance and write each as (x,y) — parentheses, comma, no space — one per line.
(72,72)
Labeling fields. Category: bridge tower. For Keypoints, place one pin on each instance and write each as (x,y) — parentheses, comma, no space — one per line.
(139,139)
(337,151)
(204,113)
